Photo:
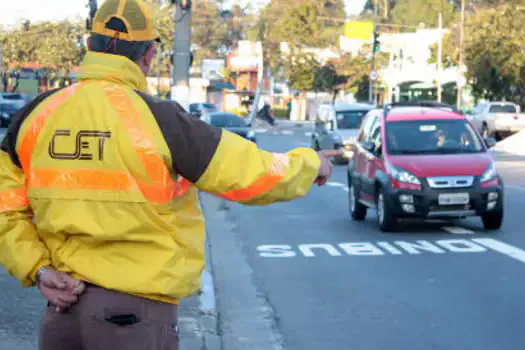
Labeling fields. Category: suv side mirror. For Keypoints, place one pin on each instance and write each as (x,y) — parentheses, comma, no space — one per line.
(490,142)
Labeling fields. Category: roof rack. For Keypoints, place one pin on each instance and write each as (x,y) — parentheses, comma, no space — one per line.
(431,104)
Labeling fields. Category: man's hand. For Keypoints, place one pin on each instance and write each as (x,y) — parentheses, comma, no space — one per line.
(325,172)
(60,289)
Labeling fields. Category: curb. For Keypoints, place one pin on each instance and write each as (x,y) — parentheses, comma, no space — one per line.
(198,319)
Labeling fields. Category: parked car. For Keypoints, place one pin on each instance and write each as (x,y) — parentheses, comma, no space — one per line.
(423,162)
(231,122)
(197,110)
(337,126)
(498,119)
(19,100)
(7,112)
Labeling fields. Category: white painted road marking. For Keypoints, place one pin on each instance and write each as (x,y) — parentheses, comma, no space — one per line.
(503,248)
(457,230)
(398,248)
(335,184)
(287,132)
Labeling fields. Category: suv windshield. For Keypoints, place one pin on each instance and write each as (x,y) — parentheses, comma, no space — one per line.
(503,109)
(431,137)
(350,119)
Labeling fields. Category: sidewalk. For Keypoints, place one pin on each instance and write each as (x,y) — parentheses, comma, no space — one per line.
(198,330)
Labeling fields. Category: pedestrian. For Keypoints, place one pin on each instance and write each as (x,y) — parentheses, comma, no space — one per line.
(99,189)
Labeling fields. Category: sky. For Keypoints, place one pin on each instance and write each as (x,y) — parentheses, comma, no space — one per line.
(44,10)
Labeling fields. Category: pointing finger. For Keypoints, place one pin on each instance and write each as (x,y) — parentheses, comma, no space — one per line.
(332,153)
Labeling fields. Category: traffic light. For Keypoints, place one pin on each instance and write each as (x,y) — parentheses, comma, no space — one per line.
(377,43)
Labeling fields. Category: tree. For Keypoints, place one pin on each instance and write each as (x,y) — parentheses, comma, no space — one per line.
(345,74)
(61,46)
(214,32)
(299,70)
(58,46)
(307,23)
(494,55)
(450,51)
(415,12)
(384,7)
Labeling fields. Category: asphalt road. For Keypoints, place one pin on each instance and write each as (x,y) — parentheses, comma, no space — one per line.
(330,283)
(336,284)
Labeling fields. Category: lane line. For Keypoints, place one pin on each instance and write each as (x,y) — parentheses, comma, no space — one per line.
(287,132)
(335,184)
(457,230)
(503,248)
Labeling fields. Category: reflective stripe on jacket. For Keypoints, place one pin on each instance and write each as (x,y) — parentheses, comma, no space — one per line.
(101,180)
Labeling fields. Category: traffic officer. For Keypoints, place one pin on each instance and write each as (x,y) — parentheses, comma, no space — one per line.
(98,193)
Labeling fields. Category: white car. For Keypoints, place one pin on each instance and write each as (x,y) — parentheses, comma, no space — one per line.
(498,119)
(337,125)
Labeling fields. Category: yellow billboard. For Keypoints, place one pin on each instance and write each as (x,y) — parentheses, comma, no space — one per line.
(359,30)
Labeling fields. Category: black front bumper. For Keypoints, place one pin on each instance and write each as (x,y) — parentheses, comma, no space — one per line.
(426,201)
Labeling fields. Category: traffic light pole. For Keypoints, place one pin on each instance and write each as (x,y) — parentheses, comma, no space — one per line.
(372,79)
(180,90)
(93,7)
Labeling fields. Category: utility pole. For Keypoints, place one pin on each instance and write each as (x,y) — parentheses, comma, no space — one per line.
(460,65)
(181,53)
(372,78)
(160,55)
(440,57)
(93,7)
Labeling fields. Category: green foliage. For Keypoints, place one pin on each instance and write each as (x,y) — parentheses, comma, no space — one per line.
(450,51)
(346,74)
(494,52)
(306,23)
(415,12)
(58,46)
(299,70)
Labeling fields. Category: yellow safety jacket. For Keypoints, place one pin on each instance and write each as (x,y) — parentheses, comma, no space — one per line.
(100,180)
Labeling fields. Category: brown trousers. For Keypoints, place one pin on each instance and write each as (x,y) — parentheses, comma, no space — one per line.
(108,320)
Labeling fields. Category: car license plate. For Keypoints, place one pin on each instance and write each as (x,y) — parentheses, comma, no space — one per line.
(454,198)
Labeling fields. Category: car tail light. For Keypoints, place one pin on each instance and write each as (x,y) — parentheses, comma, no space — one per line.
(516,117)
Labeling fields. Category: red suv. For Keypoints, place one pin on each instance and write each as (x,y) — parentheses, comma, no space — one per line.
(419,161)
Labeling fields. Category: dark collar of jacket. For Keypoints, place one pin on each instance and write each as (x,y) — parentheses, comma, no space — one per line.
(112,68)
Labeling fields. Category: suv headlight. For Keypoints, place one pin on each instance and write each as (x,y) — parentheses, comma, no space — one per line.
(489,174)
(251,134)
(404,176)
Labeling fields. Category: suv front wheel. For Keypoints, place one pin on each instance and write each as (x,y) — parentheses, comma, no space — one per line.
(493,221)
(357,209)
(386,219)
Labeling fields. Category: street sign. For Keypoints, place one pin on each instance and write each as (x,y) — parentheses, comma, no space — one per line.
(359,30)
(373,75)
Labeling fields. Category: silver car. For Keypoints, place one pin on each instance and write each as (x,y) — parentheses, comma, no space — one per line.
(337,126)
(498,119)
